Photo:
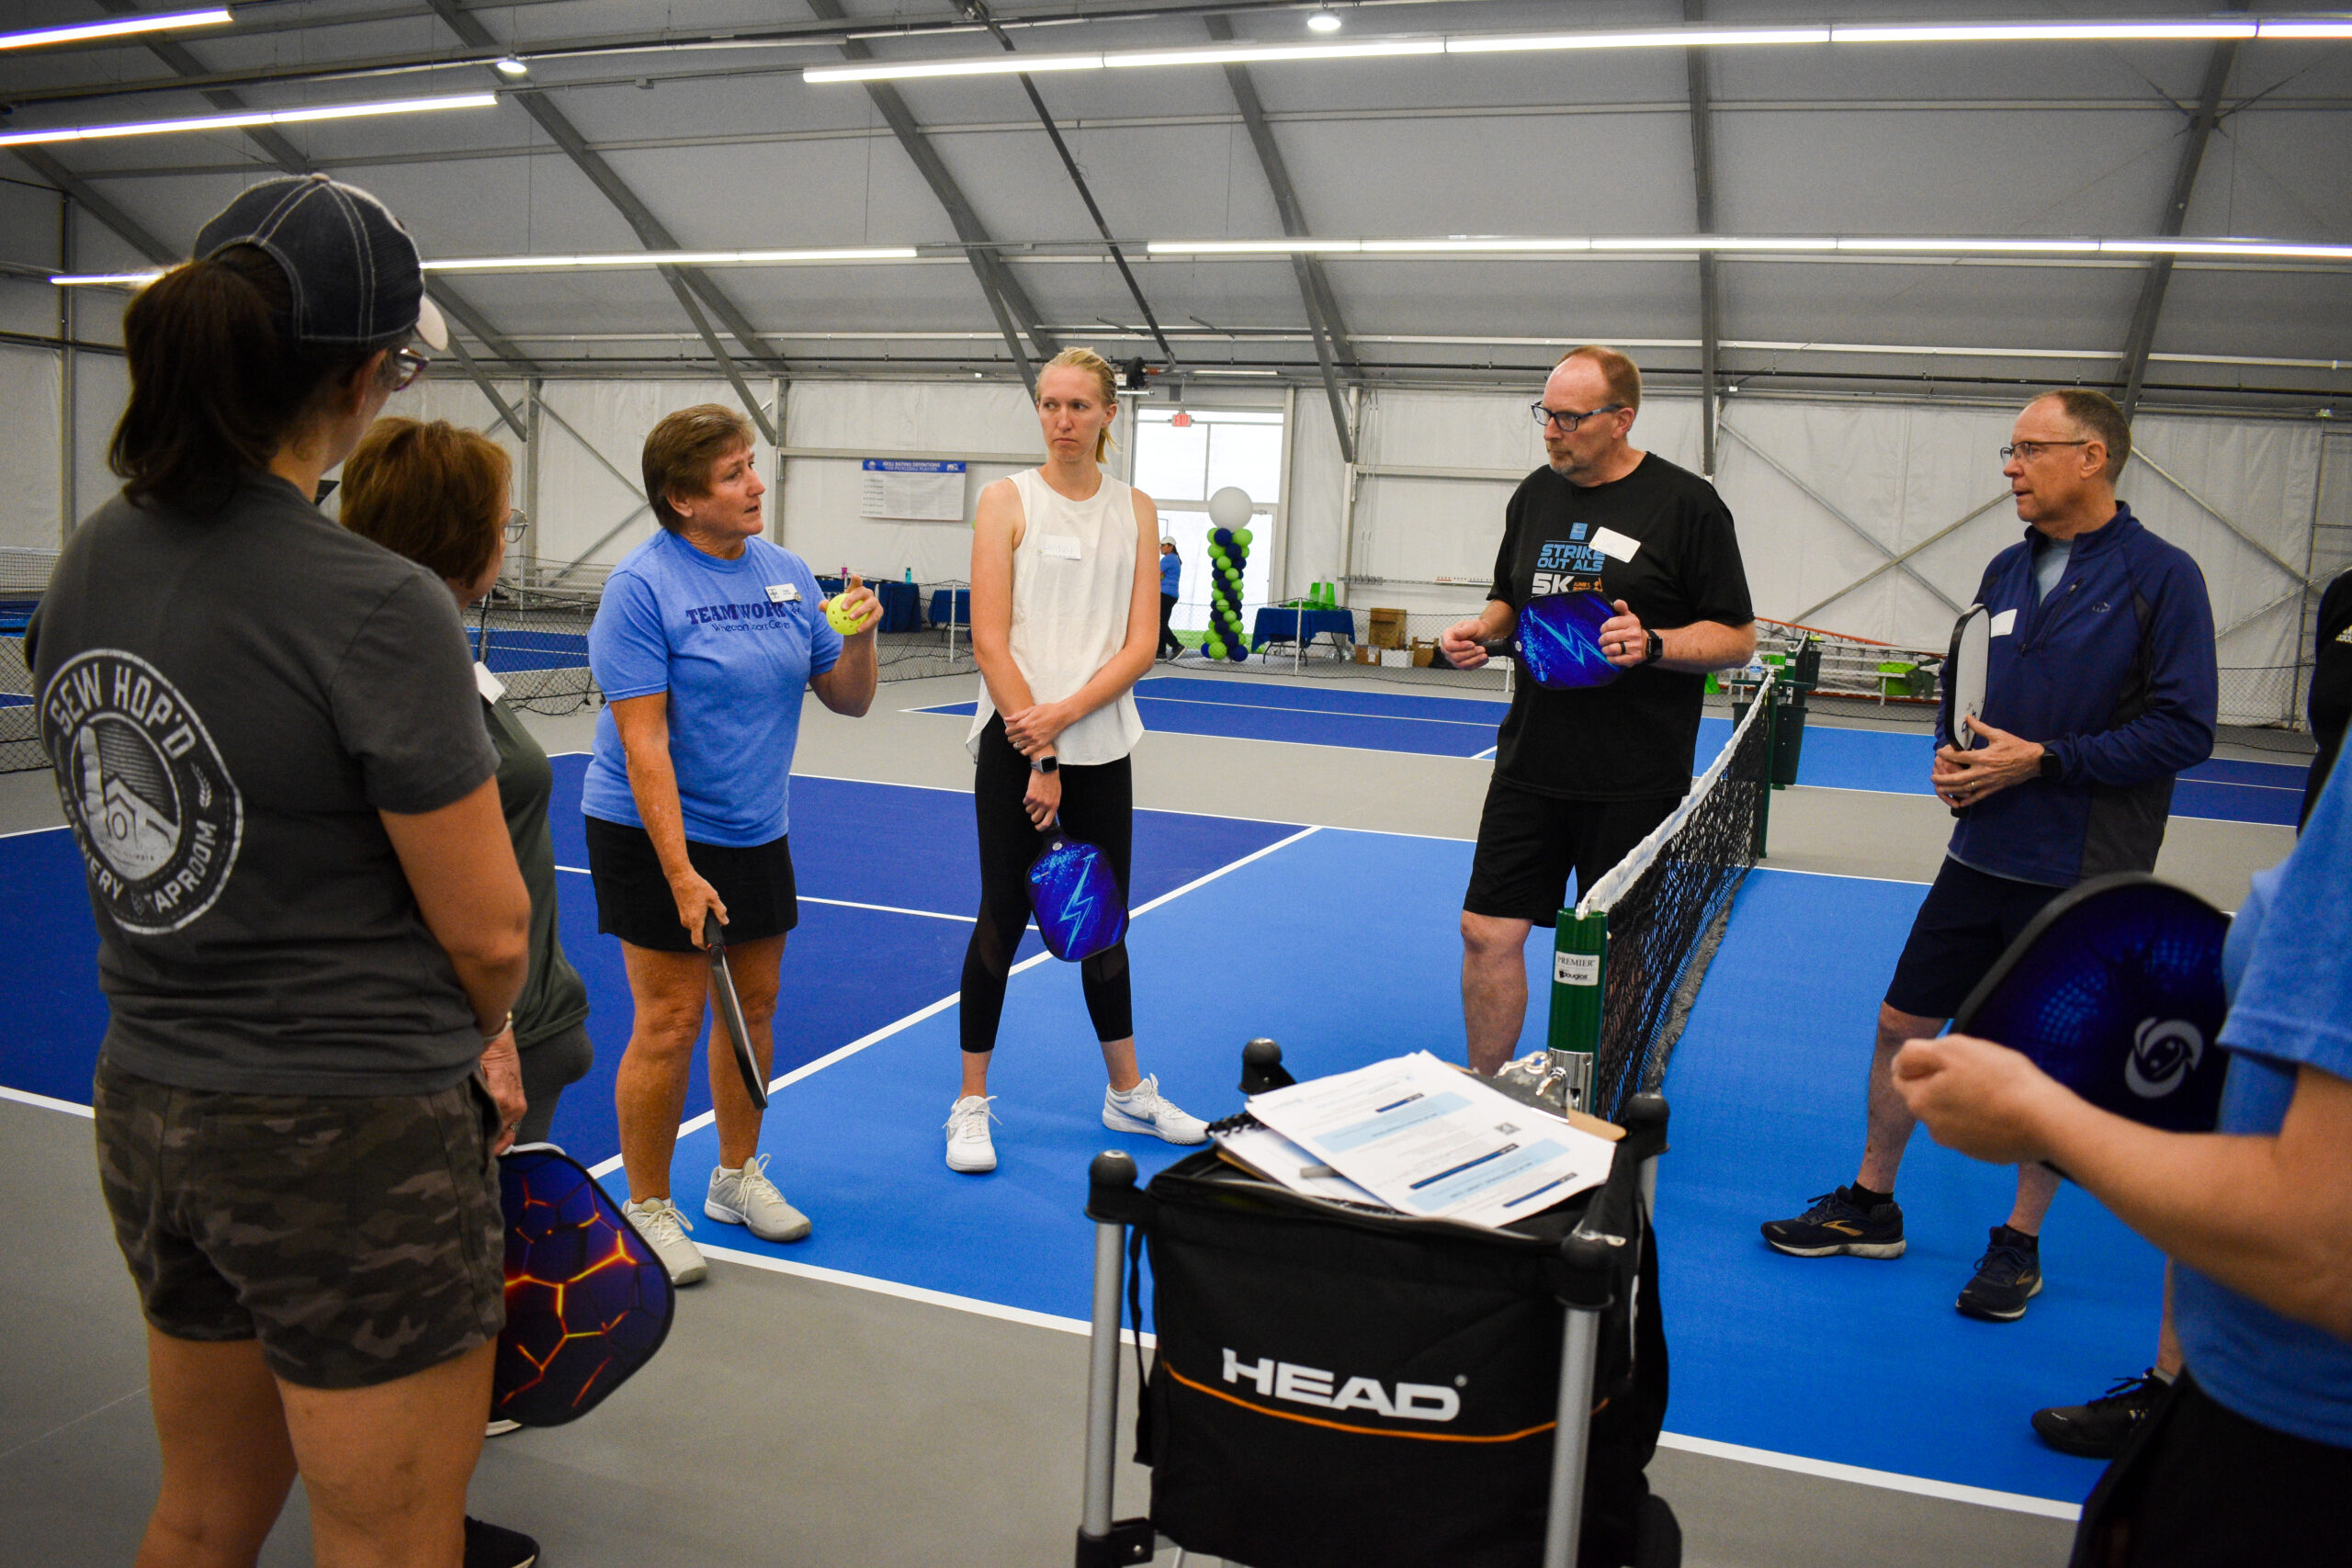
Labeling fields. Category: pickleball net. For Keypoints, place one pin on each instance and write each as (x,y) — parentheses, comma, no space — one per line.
(1658,915)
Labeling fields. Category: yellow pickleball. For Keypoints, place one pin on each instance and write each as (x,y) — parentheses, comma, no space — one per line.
(840,615)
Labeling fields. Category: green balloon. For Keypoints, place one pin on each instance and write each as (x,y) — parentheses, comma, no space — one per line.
(1216,646)
(1241,538)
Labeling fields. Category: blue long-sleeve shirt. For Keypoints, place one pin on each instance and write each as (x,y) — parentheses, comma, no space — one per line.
(2114,674)
(1171,572)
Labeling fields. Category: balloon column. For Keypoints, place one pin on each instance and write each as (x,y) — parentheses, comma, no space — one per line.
(1229,540)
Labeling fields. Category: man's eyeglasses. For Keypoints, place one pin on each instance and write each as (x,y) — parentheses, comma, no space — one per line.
(1565,422)
(407,365)
(2027,451)
(517,526)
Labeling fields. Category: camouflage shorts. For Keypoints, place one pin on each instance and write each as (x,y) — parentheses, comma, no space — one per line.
(359,1239)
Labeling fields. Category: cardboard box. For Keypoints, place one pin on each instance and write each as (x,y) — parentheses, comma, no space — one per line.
(1424,653)
(1364,654)
(1387,628)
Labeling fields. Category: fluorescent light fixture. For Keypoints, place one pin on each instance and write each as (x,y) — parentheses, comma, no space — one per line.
(249,117)
(1272,53)
(81,32)
(1460,246)
(1655,37)
(1711,242)
(92,279)
(2027,247)
(1210,370)
(625,259)
(2312,28)
(2227,248)
(2040,32)
(983,65)
(1323,22)
(1252,247)
(514,68)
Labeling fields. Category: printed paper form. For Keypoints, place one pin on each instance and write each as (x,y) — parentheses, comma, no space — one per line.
(1275,1157)
(1425,1139)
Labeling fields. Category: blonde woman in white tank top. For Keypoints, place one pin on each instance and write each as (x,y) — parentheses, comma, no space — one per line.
(1065,620)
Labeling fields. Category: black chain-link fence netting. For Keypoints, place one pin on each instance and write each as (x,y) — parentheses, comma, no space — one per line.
(1666,915)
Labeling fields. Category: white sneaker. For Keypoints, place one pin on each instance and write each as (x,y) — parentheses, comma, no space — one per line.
(664,1229)
(747,1197)
(1141,1109)
(499,1428)
(970,1148)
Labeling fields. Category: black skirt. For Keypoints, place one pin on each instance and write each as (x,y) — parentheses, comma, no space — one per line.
(633,900)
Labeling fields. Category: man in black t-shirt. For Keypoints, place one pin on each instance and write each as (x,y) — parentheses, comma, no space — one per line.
(1582,776)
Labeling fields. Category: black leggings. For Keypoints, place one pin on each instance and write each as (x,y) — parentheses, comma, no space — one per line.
(1168,639)
(1098,807)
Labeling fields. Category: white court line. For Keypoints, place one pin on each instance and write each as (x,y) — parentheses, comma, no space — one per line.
(837,903)
(696,1124)
(1324,712)
(1484,755)
(1918,1485)
(1891,1480)
(26,1096)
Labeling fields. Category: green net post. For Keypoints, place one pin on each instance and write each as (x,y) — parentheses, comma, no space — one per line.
(1579,954)
(1766,695)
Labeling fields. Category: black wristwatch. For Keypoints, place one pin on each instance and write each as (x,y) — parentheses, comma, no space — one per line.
(1656,650)
(1045,765)
(2052,768)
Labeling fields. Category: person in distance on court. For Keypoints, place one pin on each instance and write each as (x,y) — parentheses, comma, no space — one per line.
(438,495)
(1582,776)
(2246,1458)
(703,643)
(2329,706)
(2100,688)
(1172,578)
(310,925)
(1064,623)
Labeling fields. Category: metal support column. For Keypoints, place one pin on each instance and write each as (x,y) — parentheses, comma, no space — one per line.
(1702,179)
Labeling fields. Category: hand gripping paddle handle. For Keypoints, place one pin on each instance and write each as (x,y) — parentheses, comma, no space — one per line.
(730,1011)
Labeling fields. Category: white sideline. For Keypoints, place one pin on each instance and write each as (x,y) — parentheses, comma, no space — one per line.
(695,1124)
(1891,1480)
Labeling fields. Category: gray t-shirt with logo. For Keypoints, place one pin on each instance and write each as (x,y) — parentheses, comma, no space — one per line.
(228,702)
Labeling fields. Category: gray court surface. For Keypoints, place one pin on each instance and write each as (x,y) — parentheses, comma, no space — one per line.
(790,1420)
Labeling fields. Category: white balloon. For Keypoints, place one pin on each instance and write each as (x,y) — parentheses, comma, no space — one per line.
(1229,508)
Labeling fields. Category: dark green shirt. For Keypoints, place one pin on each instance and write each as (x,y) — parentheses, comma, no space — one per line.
(554,998)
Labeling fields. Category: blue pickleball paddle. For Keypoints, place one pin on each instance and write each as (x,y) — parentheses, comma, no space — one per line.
(1557,641)
(1079,910)
(587,1302)
(2115,990)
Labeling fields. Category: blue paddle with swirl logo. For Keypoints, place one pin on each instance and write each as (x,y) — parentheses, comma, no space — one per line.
(1079,910)
(1558,640)
(2115,990)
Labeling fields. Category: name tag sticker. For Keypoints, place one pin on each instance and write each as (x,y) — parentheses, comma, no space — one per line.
(1610,542)
(491,687)
(783,593)
(2003,623)
(1062,546)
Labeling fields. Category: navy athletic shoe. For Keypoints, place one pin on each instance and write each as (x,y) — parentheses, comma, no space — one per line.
(2008,1276)
(495,1546)
(1837,1224)
(2100,1430)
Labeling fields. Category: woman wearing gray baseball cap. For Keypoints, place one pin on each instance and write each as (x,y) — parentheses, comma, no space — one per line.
(266,734)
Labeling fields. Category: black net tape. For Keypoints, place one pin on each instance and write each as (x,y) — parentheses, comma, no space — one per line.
(1664,924)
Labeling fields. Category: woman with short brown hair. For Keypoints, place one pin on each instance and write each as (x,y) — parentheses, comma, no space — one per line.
(704,641)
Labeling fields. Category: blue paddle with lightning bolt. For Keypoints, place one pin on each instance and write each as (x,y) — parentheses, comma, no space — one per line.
(1079,910)
(1557,641)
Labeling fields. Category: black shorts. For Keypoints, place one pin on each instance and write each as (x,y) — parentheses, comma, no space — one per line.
(358,1237)
(1528,844)
(1968,922)
(633,900)
(2200,1486)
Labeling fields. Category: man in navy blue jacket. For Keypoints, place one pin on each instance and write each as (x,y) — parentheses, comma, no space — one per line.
(2100,688)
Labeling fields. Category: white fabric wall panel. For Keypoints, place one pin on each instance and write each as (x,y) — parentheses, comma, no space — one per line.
(101,385)
(1314,501)
(28,456)
(582,500)
(820,500)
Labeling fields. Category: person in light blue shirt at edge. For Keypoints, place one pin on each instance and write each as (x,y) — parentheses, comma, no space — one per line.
(704,641)
(1172,578)
(2248,1458)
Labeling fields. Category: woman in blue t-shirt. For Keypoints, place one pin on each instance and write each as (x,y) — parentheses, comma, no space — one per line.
(2248,1456)
(704,641)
